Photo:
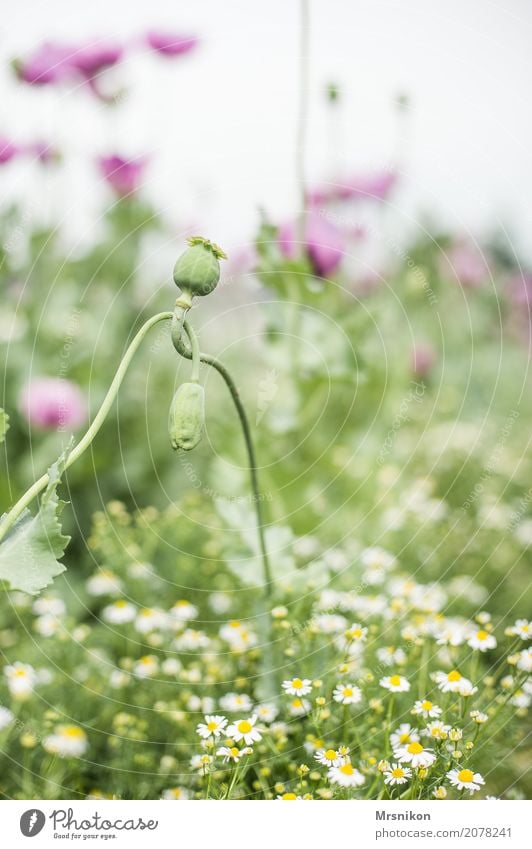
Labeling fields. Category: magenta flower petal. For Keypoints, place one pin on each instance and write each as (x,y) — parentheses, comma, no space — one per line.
(123,175)
(467,264)
(50,63)
(325,243)
(8,150)
(53,403)
(364,186)
(92,58)
(170,44)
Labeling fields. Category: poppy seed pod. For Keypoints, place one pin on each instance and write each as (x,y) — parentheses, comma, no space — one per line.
(197,271)
(187,416)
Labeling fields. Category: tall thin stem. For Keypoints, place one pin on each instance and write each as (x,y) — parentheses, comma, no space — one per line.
(11,517)
(302,115)
(182,349)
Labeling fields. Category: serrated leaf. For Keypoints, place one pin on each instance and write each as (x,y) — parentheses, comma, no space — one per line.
(4,424)
(29,553)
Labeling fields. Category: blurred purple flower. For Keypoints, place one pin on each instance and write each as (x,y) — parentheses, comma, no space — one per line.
(370,186)
(54,63)
(123,175)
(42,151)
(324,241)
(467,264)
(92,58)
(422,359)
(170,44)
(8,150)
(53,403)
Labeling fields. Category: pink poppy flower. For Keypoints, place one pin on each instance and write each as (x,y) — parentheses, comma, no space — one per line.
(123,175)
(467,264)
(169,44)
(325,243)
(50,63)
(53,403)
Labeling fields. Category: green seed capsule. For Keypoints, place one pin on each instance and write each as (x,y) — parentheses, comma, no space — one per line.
(187,416)
(197,271)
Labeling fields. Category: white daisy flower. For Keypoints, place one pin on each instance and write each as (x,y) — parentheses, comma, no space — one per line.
(67,741)
(391,656)
(118,678)
(192,640)
(522,628)
(329,623)
(416,755)
(6,717)
(397,774)
(212,727)
(289,797)
(201,763)
(103,582)
(236,702)
(238,635)
(146,666)
(346,775)
(266,712)
(347,694)
(21,679)
(524,661)
(329,757)
(482,640)
(229,753)
(47,625)
(119,613)
(180,794)
(437,729)
(465,779)
(297,686)
(244,729)
(403,735)
(453,682)
(220,602)
(299,707)
(49,605)
(171,666)
(183,611)
(150,619)
(395,684)
(425,708)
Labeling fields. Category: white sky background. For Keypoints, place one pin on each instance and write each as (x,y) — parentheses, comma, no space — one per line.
(220,123)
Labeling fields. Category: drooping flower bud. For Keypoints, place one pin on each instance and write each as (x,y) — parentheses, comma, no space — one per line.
(187,416)
(197,271)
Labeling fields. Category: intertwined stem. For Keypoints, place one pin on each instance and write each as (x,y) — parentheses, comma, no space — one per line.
(177,337)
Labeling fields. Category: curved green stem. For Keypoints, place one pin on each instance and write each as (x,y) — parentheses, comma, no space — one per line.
(11,517)
(182,349)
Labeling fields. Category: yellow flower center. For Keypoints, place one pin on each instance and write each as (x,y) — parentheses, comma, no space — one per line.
(234,623)
(356,633)
(348,692)
(297,683)
(398,772)
(465,775)
(73,732)
(395,680)
(234,751)
(20,673)
(244,727)
(289,797)
(347,769)
(404,738)
(482,635)
(121,603)
(415,748)
(297,703)
(212,726)
(426,705)
(454,675)
(331,755)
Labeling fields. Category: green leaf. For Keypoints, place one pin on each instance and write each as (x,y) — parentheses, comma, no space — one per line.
(29,553)
(4,424)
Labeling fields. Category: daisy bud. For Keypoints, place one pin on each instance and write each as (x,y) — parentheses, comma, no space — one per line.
(197,271)
(187,416)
